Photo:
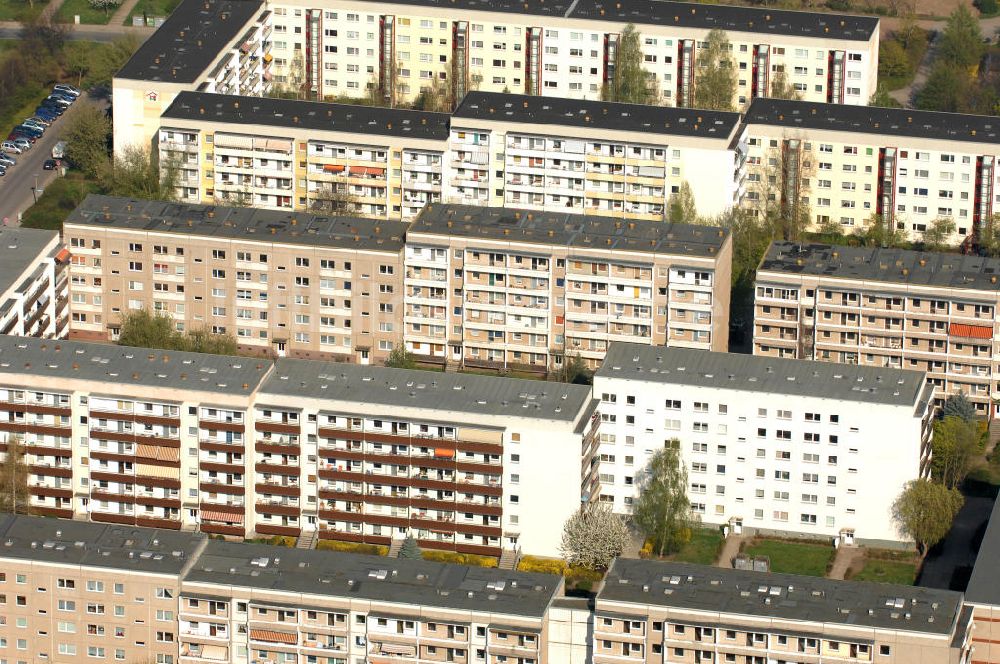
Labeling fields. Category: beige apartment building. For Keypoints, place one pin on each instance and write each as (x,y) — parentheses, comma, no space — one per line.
(846,164)
(983,595)
(73,591)
(281,283)
(286,154)
(237,446)
(591,157)
(221,46)
(497,287)
(33,283)
(651,611)
(925,311)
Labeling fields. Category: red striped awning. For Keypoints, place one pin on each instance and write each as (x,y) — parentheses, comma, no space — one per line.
(225,517)
(271,636)
(367,170)
(63,255)
(333,168)
(970,331)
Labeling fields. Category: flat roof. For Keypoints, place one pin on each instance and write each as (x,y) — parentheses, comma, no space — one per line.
(239,224)
(189,40)
(316,115)
(123,366)
(20,248)
(758,373)
(874,120)
(112,546)
(571,230)
(900,266)
(665,120)
(785,597)
(984,584)
(419,583)
(451,393)
(763,20)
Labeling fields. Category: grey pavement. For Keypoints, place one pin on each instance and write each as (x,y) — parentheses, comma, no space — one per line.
(907,95)
(118,18)
(82,32)
(944,567)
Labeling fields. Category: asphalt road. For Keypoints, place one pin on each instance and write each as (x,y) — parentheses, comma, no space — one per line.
(15,187)
(95,33)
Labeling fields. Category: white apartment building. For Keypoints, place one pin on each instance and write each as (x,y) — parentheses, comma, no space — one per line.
(237,446)
(589,157)
(503,288)
(33,283)
(219,46)
(770,445)
(910,167)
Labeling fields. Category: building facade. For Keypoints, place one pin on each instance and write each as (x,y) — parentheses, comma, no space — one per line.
(282,284)
(983,595)
(507,288)
(234,446)
(923,311)
(33,283)
(770,445)
(908,168)
(651,611)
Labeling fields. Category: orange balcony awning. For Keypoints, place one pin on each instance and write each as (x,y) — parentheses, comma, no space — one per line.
(367,170)
(216,515)
(63,255)
(444,453)
(158,453)
(970,331)
(271,636)
(333,168)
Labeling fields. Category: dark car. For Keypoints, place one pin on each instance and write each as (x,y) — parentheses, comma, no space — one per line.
(49,165)
(16,134)
(46,115)
(54,109)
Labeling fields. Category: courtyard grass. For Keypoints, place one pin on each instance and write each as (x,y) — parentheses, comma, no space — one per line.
(793,557)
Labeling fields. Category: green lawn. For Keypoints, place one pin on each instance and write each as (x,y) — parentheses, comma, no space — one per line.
(58,200)
(793,557)
(17,10)
(152,8)
(88,14)
(887,571)
(703,549)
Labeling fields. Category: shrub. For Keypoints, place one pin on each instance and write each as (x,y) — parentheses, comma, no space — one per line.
(542,565)
(352,547)
(459,558)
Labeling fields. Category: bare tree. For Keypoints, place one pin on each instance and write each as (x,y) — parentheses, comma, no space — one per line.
(14,495)
(594,536)
(335,199)
(779,187)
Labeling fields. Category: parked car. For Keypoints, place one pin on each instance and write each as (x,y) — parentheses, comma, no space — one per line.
(49,165)
(28,131)
(37,125)
(67,89)
(7,160)
(31,138)
(46,114)
(22,143)
(3,171)
(51,108)
(55,99)
(10,146)
(41,121)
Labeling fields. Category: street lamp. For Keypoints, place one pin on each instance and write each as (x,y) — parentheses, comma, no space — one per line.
(34,190)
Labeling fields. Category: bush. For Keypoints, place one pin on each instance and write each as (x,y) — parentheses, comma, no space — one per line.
(352,547)
(459,558)
(276,540)
(582,580)
(542,565)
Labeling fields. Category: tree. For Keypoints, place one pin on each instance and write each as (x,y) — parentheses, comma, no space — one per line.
(106,62)
(987,7)
(631,82)
(662,511)
(334,199)
(938,233)
(879,233)
(752,234)
(87,141)
(682,207)
(574,369)
(106,5)
(924,511)
(881,97)
(135,172)
(946,89)
(203,341)
(143,329)
(781,88)
(14,495)
(961,41)
(594,536)
(410,550)
(715,79)
(958,405)
(400,358)
(435,97)
(892,60)
(953,450)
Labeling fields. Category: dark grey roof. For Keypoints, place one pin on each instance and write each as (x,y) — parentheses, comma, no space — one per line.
(321,116)
(571,230)
(414,582)
(189,40)
(763,20)
(430,390)
(20,248)
(124,365)
(984,585)
(781,596)
(874,120)
(757,373)
(249,224)
(67,542)
(901,266)
(667,120)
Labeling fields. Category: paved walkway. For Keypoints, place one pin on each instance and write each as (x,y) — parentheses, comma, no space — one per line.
(907,95)
(845,557)
(51,9)
(730,548)
(118,18)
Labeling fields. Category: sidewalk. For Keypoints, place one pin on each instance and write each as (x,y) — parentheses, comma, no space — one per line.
(118,18)
(843,559)
(730,548)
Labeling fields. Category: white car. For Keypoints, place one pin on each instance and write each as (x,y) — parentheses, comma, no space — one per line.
(66,89)
(8,146)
